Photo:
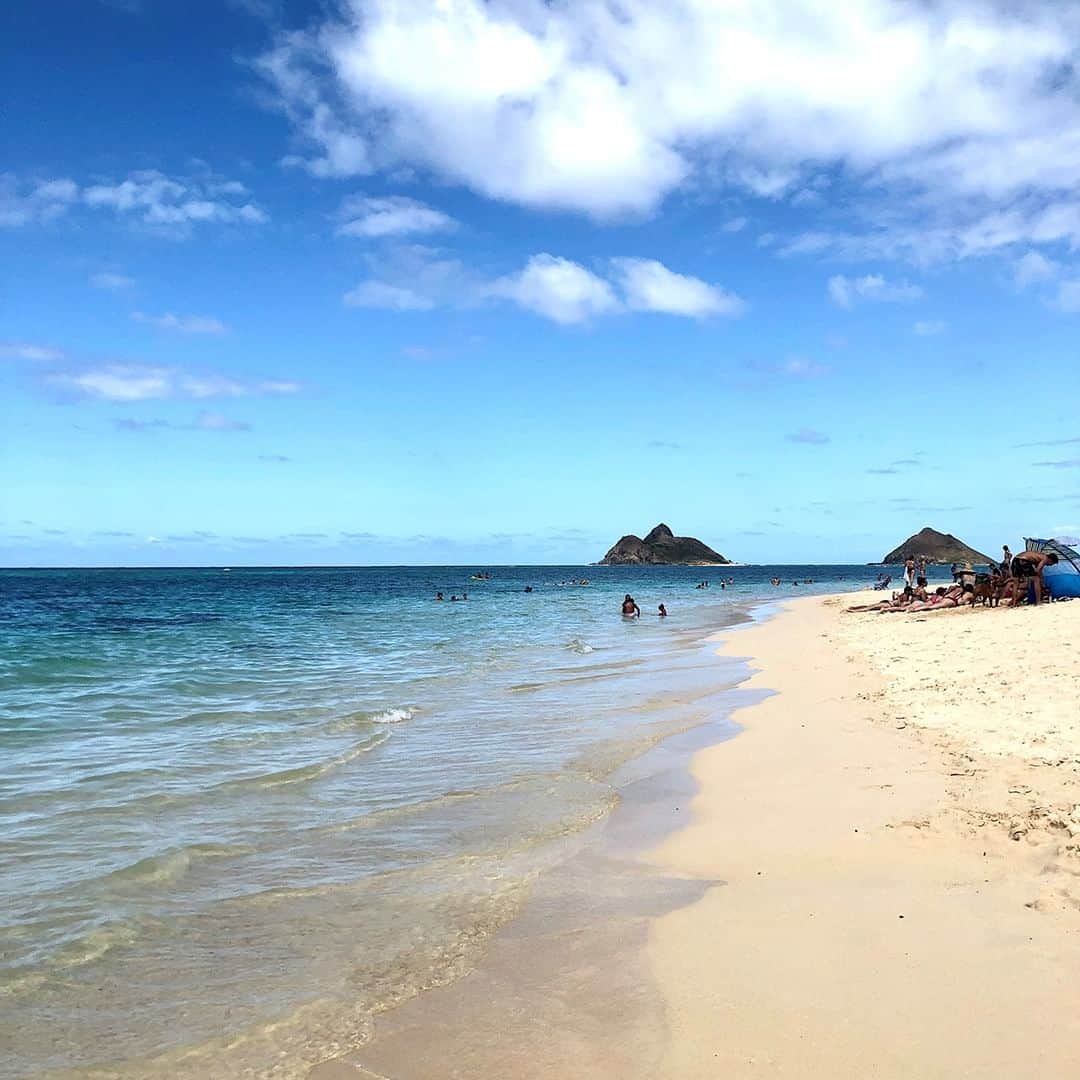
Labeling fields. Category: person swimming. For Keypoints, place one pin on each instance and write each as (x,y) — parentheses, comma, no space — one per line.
(630,609)
(662,611)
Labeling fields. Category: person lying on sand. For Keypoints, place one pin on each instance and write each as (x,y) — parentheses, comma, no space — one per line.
(898,602)
(943,598)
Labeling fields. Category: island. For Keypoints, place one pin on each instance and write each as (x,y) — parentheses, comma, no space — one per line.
(941,548)
(662,548)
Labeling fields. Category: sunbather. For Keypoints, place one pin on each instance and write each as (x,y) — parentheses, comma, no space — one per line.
(899,601)
(941,600)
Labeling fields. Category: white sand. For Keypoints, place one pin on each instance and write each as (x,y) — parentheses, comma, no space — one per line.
(898,835)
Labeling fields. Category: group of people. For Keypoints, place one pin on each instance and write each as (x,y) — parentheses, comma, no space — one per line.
(1016,579)
(916,598)
(707,584)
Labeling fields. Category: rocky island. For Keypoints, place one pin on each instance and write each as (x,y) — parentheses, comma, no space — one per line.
(662,548)
(937,547)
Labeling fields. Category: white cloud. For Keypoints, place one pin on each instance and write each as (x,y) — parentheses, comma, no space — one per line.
(735,224)
(167,204)
(607,107)
(183,324)
(558,289)
(117,382)
(24,350)
(927,232)
(419,278)
(111,282)
(395,215)
(648,285)
(382,294)
(845,291)
(929,328)
(121,382)
(412,277)
(1032,267)
(34,202)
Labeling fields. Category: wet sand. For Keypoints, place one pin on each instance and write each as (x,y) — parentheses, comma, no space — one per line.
(899,831)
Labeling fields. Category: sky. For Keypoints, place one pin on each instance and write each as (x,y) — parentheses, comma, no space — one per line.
(442,281)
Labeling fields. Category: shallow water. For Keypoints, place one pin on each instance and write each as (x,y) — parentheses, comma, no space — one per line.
(241,813)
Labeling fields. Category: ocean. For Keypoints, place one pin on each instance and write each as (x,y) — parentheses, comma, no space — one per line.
(243,812)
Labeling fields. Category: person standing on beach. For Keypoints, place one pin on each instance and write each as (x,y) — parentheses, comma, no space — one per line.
(909,572)
(1027,569)
(1006,560)
(921,580)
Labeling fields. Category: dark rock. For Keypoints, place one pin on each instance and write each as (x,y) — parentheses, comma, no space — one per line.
(938,548)
(662,547)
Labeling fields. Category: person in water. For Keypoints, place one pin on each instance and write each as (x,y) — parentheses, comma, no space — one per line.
(438,596)
(630,608)
(662,611)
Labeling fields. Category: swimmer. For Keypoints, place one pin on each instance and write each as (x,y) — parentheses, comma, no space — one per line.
(438,596)
(630,609)
(662,611)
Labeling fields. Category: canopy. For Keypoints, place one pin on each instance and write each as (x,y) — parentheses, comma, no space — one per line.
(1060,548)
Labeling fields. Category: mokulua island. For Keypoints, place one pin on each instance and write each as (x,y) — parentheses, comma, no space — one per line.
(662,548)
(940,548)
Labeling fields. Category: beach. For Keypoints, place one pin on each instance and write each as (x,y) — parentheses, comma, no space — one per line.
(765,836)
(897,834)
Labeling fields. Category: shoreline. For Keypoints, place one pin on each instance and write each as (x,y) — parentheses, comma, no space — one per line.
(901,899)
(562,988)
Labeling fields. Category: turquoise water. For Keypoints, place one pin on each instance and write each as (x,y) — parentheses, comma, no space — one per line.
(242,812)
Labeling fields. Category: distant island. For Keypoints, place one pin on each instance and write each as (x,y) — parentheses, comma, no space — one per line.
(937,547)
(662,548)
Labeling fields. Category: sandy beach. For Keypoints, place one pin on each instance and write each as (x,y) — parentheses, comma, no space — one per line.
(898,833)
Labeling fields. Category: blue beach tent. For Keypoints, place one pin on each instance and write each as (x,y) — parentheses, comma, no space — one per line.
(1064,578)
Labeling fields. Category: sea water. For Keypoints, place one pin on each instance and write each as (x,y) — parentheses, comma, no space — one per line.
(243,812)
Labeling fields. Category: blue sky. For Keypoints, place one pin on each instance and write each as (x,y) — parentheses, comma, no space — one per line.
(372,282)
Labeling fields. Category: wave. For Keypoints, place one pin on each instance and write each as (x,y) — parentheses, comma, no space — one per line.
(93,945)
(304,773)
(364,719)
(170,865)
